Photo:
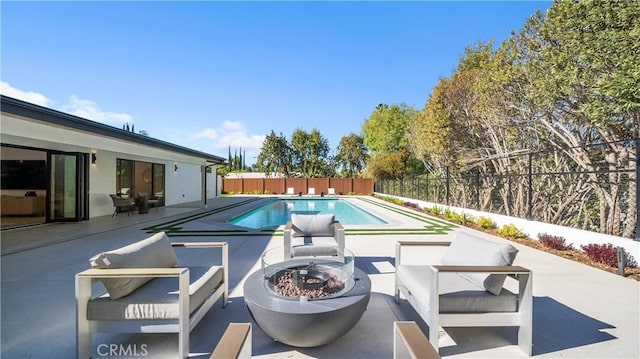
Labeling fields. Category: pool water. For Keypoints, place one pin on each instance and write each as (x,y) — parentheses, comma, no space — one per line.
(279,212)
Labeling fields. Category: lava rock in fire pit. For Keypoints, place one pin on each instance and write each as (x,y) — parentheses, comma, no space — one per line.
(286,285)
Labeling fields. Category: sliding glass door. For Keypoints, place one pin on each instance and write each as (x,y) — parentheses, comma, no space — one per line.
(68,194)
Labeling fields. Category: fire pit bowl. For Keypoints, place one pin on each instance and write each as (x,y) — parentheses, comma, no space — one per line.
(307,302)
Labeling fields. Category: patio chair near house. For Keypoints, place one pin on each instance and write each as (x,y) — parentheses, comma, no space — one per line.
(311,191)
(331,191)
(290,191)
(153,202)
(122,204)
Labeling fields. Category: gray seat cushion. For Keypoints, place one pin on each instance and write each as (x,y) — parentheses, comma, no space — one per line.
(314,246)
(157,299)
(458,294)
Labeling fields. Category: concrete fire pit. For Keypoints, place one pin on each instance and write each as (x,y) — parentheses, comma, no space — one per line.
(307,315)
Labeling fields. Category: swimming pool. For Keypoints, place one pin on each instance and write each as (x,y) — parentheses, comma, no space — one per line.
(278,212)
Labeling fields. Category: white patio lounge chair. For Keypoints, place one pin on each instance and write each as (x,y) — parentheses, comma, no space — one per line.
(290,191)
(313,235)
(466,290)
(331,191)
(147,293)
(311,191)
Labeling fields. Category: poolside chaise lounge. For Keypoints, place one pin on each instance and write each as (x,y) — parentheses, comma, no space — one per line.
(331,191)
(311,191)
(313,235)
(146,292)
(466,288)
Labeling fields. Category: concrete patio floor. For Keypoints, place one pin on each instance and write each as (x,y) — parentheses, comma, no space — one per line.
(579,311)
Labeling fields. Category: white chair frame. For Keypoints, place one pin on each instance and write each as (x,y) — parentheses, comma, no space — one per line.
(183,325)
(522,318)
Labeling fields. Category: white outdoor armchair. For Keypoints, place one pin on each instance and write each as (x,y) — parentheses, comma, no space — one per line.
(147,293)
(466,288)
(313,235)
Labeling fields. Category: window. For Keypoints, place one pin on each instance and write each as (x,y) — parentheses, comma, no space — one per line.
(133,177)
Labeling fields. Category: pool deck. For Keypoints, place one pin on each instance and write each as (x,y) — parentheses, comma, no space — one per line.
(579,311)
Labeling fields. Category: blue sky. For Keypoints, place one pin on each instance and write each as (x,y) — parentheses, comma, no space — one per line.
(209,75)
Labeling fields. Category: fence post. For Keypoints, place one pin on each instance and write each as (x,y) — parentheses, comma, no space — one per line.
(426,195)
(447,186)
(637,235)
(621,261)
(478,189)
(530,187)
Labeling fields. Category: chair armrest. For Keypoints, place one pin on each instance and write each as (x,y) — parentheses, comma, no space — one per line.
(235,342)
(95,273)
(339,234)
(198,244)
(225,260)
(409,341)
(287,239)
(482,269)
(422,243)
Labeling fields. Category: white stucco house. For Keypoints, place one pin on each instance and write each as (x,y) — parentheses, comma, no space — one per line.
(64,168)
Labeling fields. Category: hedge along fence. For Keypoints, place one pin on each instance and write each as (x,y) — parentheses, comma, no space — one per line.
(361,186)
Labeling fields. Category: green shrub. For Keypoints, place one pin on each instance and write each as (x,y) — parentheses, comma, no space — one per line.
(435,210)
(453,216)
(510,231)
(486,223)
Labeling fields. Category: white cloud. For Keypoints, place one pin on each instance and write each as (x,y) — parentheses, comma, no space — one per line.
(233,126)
(28,96)
(206,133)
(231,134)
(90,110)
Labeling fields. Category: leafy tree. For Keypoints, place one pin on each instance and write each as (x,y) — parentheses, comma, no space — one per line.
(310,152)
(567,82)
(352,155)
(586,84)
(275,155)
(385,134)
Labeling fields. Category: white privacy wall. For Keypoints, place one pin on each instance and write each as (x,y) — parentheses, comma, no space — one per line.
(577,237)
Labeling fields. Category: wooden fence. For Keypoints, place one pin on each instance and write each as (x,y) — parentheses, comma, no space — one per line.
(360,186)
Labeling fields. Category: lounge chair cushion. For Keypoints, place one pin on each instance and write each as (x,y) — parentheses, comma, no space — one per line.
(153,252)
(314,246)
(468,250)
(313,225)
(457,293)
(157,299)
